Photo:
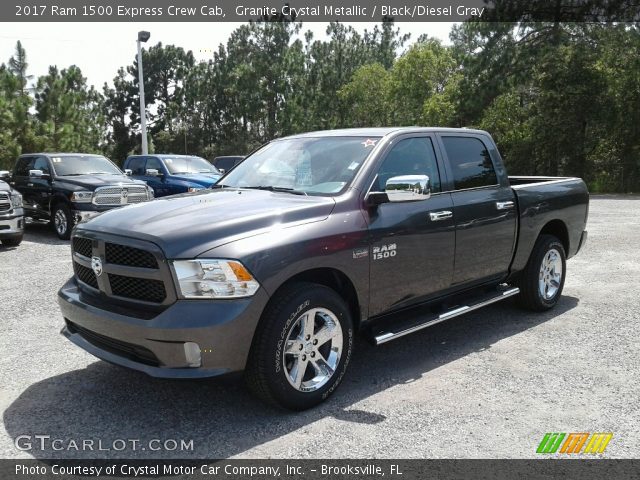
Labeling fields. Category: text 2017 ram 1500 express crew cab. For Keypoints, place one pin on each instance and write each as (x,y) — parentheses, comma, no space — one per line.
(310,239)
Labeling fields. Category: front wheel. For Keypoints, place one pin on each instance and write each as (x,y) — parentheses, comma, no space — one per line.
(301,348)
(543,277)
(62,220)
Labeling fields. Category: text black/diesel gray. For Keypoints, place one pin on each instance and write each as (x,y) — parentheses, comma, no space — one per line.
(309,240)
(67,188)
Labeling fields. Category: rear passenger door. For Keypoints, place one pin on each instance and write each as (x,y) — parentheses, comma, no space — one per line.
(40,188)
(484,209)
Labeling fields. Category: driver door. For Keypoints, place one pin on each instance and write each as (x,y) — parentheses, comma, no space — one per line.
(412,242)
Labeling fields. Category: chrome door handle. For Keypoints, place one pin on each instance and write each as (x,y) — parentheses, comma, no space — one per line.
(443,215)
(505,205)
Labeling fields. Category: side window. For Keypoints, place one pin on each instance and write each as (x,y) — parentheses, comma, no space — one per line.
(411,156)
(41,163)
(470,161)
(154,163)
(23,165)
(136,165)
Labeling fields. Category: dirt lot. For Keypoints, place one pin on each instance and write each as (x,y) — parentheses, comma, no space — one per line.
(488,384)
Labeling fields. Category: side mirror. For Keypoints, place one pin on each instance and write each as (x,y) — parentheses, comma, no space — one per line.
(38,174)
(4,174)
(128,172)
(408,188)
(221,170)
(152,172)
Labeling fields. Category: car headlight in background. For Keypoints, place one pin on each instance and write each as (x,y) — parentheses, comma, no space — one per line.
(214,278)
(16,200)
(194,189)
(82,196)
(150,194)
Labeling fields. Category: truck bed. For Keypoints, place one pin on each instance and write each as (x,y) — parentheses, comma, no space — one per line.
(542,200)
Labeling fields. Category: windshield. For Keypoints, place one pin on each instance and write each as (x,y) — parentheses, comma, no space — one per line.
(322,166)
(177,165)
(84,165)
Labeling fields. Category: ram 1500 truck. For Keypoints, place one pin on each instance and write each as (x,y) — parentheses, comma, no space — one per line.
(312,238)
(67,188)
(172,174)
(11,216)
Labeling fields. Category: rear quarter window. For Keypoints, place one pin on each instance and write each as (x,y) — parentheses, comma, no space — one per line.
(470,162)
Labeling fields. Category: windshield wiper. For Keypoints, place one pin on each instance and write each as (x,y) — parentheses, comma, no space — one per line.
(271,188)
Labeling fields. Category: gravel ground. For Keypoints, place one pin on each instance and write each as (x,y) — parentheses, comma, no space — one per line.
(485,385)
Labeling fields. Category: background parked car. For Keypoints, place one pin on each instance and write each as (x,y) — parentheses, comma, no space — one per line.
(11,214)
(226,163)
(172,174)
(67,188)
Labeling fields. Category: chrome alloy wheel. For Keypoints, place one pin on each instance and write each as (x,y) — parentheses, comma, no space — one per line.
(60,222)
(312,350)
(550,276)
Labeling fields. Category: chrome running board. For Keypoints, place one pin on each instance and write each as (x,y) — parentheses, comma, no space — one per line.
(455,312)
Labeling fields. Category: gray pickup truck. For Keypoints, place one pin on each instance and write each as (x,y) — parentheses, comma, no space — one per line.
(11,214)
(312,238)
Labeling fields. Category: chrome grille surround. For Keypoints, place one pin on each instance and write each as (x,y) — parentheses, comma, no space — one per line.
(5,202)
(124,194)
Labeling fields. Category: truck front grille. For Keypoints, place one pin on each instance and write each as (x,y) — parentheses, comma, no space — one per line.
(133,257)
(5,202)
(136,273)
(120,195)
(82,246)
(137,288)
(85,275)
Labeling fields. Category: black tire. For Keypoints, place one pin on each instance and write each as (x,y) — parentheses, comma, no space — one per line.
(531,296)
(63,209)
(266,373)
(12,242)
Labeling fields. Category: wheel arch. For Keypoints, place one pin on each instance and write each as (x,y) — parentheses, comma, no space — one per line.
(332,278)
(558,229)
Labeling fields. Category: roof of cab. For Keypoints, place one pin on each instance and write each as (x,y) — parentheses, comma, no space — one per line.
(61,154)
(382,131)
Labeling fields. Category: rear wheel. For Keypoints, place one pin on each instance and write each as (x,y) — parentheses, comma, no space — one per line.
(62,221)
(301,348)
(543,277)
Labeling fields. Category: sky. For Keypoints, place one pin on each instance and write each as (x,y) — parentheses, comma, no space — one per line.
(99,49)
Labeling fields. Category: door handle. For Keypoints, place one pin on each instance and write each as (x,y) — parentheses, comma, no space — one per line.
(443,215)
(505,205)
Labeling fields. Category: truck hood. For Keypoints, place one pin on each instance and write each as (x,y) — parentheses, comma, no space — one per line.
(203,179)
(94,181)
(185,226)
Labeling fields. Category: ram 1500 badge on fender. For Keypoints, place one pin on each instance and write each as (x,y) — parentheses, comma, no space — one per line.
(309,240)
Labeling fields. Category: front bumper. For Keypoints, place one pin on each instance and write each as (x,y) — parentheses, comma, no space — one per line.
(12,225)
(222,329)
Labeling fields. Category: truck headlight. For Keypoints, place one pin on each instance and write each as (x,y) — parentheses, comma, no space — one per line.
(16,200)
(214,278)
(81,196)
(150,194)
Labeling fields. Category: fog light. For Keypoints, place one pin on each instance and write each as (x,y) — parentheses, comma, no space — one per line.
(192,354)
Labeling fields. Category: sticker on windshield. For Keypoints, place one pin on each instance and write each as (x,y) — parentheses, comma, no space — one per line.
(369,143)
(353,166)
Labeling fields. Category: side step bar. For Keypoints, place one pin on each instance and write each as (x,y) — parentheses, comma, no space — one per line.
(388,336)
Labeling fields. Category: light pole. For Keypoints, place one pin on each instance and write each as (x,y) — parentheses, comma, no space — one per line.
(142,38)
